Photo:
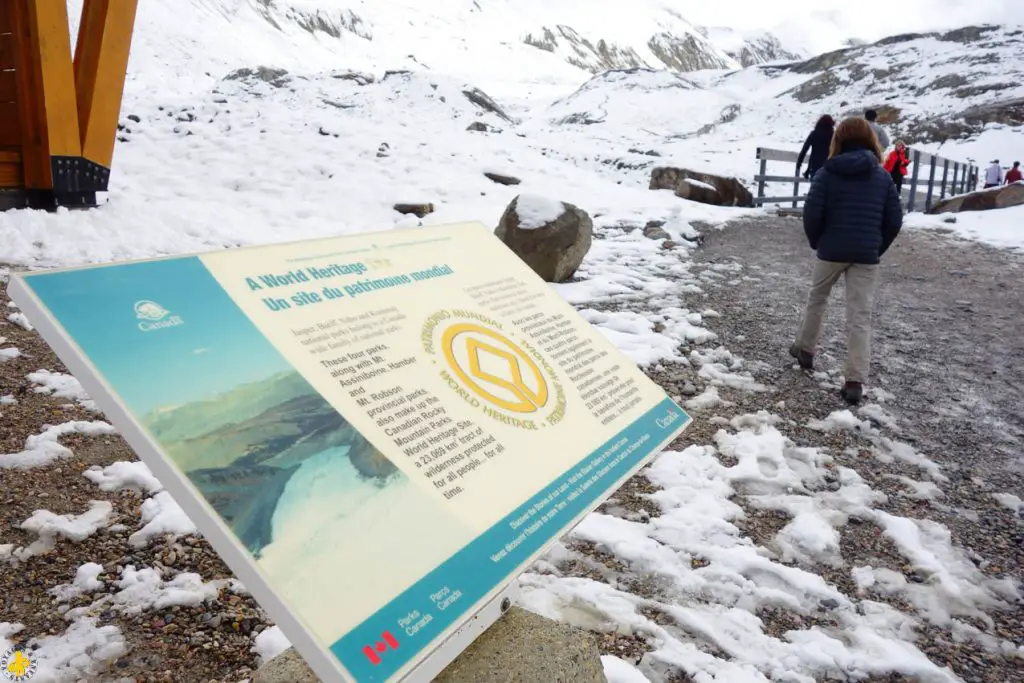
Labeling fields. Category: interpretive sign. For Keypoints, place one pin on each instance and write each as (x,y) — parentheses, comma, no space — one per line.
(378,433)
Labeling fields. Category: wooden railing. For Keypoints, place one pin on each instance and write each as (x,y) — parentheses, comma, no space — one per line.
(930,178)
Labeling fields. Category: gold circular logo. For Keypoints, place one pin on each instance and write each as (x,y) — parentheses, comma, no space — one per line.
(494,368)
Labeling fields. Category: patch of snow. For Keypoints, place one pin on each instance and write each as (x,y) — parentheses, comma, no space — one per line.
(709,398)
(9,353)
(86,581)
(7,400)
(83,652)
(61,385)
(700,183)
(999,228)
(76,528)
(269,643)
(620,671)
(535,211)
(125,474)
(161,516)
(142,590)
(21,320)
(1010,501)
(43,449)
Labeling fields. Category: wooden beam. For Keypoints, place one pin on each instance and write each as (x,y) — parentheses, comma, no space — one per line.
(776,154)
(101,63)
(7,50)
(46,82)
(8,86)
(10,125)
(6,24)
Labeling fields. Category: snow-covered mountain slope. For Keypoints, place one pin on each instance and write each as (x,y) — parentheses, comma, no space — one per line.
(489,41)
(959,92)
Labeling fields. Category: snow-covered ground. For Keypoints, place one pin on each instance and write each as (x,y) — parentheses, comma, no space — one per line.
(209,162)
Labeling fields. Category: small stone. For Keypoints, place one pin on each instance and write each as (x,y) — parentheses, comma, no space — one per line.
(418,210)
(689,390)
(829,604)
(502,179)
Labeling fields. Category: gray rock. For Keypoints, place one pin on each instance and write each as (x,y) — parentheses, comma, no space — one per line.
(555,250)
(287,667)
(418,210)
(654,231)
(983,200)
(697,186)
(502,179)
(523,646)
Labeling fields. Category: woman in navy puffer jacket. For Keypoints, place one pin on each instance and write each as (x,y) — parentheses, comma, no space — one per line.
(851,216)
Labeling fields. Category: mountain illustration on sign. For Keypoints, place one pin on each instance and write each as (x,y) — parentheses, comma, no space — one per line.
(241,448)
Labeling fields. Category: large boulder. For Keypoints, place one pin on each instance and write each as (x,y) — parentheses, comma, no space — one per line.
(701,187)
(983,200)
(550,236)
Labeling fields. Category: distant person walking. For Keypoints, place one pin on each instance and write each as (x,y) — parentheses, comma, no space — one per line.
(897,163)
(883,138)
(994,175)
(851,217)
(1014,174)
(817,142)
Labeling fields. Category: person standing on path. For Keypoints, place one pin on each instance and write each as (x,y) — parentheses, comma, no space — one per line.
(1014,174)
(851,217)
(993,175)
(883,138)
(897,163)
(817,142)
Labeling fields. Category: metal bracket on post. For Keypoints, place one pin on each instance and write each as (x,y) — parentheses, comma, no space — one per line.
(457,642)
(913,181)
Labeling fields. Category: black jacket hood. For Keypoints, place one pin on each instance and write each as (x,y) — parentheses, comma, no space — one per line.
(855,162)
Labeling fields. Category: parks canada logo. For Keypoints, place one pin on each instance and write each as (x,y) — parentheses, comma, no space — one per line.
(153,316)
(493,370)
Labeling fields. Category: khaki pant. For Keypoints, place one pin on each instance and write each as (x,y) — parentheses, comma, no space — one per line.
(860,302)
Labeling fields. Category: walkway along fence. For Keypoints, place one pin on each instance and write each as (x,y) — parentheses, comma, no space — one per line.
(930,179)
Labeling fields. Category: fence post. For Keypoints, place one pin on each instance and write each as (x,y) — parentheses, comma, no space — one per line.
(913,181)
(760,182)
(945,176)
(931,186)
(796,191)
(956,176)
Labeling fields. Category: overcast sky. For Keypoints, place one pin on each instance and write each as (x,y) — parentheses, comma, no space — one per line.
(865,19)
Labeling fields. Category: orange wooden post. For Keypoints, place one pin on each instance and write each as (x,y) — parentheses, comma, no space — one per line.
(46,86)
(101,63)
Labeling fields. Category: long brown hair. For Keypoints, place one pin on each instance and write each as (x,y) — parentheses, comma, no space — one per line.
(855,131)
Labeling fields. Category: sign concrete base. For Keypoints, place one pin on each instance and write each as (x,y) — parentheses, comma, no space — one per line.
(520,647)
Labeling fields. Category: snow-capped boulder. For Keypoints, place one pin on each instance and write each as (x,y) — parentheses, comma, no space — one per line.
(984,200)
(701,187)
(550,236)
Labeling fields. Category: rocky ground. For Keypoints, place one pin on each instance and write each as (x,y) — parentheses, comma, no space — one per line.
(948,350)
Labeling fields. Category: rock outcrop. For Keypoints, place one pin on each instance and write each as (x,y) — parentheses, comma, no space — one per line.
(701,187)
(551,237)
(983,200)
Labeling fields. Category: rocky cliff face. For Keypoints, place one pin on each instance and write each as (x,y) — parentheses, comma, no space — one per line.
(928,87)
(659,38)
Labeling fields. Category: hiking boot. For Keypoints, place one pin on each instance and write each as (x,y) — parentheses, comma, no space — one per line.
(804,358)
(852,392)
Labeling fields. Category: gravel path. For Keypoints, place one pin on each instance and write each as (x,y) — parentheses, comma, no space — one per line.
(947,347)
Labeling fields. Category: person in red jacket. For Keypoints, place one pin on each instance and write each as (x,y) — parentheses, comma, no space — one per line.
(896,164)
(1014,174)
